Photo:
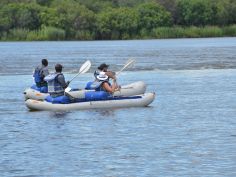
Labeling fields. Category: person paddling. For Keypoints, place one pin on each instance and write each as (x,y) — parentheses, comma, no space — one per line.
(103,76)
(40,73)
(105,84)
(104,68)
(56,82)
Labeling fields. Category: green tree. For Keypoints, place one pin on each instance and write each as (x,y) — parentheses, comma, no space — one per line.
(95,5)
(114,19)
(20,15)
(44,2)
(170,6)
(152,15)
(195,12)
(225,12)
(49,17)
(72,16)
(5,21)
(129,3)
(117,23)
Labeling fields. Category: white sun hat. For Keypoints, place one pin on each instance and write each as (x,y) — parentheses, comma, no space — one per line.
(102,76)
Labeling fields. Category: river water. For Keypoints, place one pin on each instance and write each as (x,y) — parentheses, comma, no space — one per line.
(189,130)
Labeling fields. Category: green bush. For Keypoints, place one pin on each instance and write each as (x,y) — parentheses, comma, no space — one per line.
(36,35)
(168,32)
(46,33)
(211,31)
(17,34)
(84,35)
(191,32)
(229,30)
(53,34)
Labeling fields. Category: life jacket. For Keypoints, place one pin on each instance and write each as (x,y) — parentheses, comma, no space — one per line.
(92,85)
(38,77)
(96,85)
(53,85)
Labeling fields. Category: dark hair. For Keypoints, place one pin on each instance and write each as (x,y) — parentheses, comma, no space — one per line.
(45,62)
(58,67)
(102,66)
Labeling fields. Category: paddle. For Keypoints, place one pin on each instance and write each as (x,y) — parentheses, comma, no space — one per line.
(129,63)
(83,69)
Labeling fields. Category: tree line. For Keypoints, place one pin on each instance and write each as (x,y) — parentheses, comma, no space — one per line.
(109,19)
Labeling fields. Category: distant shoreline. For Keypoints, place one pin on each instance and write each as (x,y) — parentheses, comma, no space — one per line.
(157,33)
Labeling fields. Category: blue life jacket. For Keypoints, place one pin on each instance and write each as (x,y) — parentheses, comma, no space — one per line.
(96,85)
(38,78)
(53,85)
(92,85)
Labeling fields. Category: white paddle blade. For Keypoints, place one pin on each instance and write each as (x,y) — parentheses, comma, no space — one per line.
(85,67)
(68,89)
(128,64)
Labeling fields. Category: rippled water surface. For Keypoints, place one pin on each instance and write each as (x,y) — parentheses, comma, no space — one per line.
(189,130)
(177,54)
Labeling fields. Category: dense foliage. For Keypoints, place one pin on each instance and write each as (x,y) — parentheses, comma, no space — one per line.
(111,19)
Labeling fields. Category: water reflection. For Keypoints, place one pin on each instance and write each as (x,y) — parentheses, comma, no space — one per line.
(105,112)
(59,115)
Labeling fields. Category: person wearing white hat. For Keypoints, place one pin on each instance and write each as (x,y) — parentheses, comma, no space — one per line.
(105,84)
(104,68)
(103,77)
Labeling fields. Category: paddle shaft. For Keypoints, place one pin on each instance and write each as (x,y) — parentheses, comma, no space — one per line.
(128,64)
(83,69)
(75,76)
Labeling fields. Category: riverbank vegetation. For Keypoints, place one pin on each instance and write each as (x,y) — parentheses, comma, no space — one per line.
(29,20)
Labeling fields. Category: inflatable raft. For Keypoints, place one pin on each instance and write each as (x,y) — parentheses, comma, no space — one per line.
(135,88)
(113,102)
